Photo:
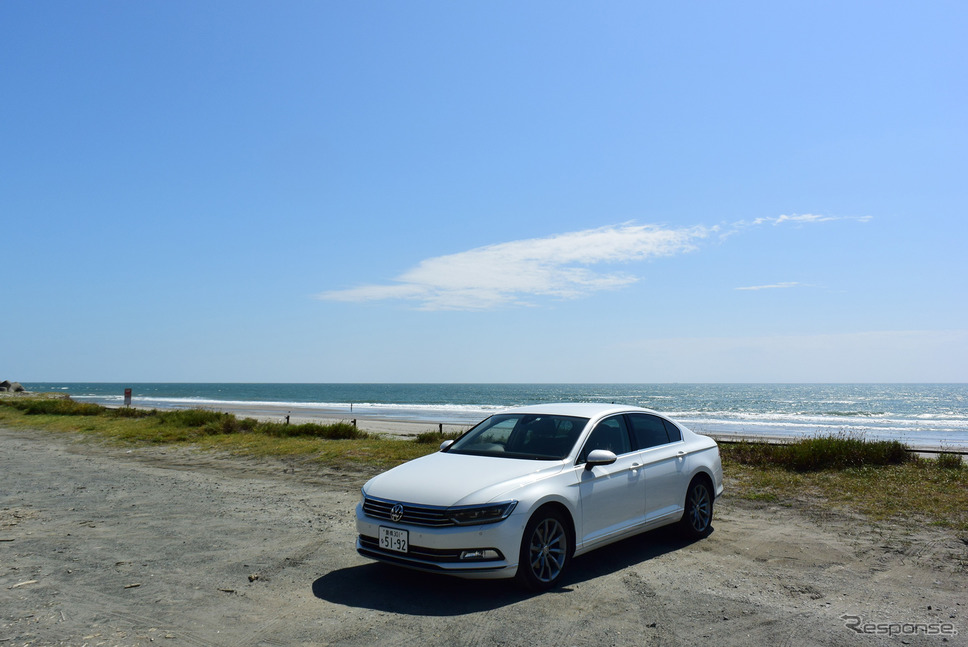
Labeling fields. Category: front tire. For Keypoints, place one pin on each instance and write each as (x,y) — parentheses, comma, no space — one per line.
(698,515)
(545,551)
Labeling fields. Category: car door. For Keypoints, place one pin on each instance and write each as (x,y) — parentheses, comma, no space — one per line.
(612,496)
(663,461)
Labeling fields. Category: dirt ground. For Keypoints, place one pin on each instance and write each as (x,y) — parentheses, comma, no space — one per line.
(108,546)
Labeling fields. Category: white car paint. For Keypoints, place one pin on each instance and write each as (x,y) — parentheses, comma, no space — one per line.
(642,489)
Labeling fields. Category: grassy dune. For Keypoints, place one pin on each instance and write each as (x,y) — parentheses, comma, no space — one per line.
(878,479)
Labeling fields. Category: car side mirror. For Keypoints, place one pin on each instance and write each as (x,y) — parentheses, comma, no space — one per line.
(444,445)
(599,457)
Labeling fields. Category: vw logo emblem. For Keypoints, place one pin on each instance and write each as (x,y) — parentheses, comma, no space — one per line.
(396,512)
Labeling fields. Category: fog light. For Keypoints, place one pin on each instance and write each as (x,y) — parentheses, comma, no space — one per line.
(479,554)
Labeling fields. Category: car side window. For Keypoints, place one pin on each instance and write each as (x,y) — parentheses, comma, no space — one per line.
(649,431)
(610,434)
(675,435)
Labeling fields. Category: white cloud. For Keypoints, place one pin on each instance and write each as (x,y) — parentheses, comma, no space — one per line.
(559,266)
(802,218)
(775,286)
(799,219)
(511,273)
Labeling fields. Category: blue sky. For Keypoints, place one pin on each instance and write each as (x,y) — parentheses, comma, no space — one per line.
(484,192)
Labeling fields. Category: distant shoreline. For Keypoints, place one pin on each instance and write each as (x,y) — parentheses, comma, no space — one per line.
(413,426)
(921,416)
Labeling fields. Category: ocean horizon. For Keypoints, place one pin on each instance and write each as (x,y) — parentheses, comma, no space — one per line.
(920,415)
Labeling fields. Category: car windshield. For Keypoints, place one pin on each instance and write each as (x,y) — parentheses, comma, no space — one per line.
(522,435)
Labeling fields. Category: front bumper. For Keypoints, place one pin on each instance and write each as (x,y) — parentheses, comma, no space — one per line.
(442,550)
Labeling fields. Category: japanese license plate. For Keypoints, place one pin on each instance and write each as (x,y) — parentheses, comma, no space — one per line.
(394,539)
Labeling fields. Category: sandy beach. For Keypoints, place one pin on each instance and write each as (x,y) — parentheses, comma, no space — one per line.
(394,428)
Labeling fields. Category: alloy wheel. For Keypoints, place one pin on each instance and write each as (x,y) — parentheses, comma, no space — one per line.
(700,508)
(548,550)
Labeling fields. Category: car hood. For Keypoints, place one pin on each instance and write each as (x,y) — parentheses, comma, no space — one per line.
(444,479)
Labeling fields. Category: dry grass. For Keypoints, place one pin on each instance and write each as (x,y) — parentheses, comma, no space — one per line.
(335,445)
(920,490)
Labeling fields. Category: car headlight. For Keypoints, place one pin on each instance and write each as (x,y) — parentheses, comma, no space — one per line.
(477,514)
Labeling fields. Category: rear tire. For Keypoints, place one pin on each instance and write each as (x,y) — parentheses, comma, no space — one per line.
(697,517)
(545,551)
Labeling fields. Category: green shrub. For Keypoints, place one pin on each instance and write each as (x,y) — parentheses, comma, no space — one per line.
(820,453)
(334,431)
(57,407)
(213,423)
(130,412)
(834,452)
(435,437)
(228,424)
(949,462)
(192,417)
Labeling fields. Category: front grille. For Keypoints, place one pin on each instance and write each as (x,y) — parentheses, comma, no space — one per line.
(414,515)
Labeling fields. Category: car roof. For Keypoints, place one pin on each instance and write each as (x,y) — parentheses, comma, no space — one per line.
(582,409)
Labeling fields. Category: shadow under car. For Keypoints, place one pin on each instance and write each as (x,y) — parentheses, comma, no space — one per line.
(393,589)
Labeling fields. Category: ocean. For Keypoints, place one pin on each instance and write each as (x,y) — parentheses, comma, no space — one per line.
(921,415)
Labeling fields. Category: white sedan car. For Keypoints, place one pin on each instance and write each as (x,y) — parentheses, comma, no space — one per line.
(524,491)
